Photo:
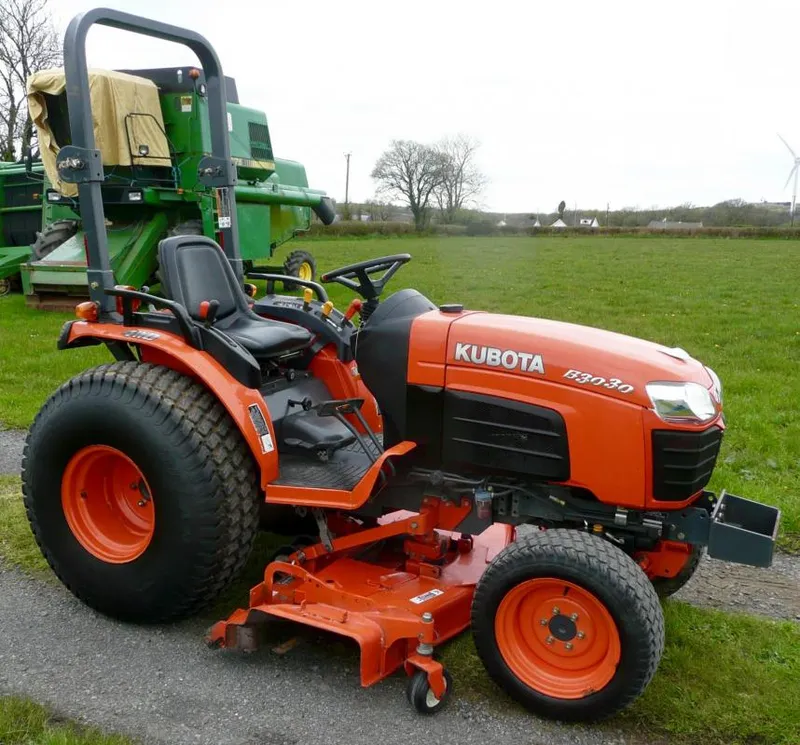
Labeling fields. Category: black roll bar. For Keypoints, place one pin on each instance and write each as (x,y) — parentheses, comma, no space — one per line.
(80,163)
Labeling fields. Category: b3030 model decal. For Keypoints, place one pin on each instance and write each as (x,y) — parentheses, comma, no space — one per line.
(613,384)
(510,359)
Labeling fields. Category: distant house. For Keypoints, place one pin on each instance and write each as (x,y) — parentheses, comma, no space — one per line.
(559,224)
(673,225)
(536,223)
(589,222)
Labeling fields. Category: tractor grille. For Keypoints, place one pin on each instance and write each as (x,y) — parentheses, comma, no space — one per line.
(260,146)
(501,434)
(683,462)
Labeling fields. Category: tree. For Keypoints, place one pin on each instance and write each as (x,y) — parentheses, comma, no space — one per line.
(410,171)
(461,182)
(28,42)
(561,207)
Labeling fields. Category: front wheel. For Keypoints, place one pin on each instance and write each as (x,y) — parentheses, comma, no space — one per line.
(568,625)
(140,491)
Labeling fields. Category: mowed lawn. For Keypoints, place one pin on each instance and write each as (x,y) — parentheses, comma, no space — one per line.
(734,304)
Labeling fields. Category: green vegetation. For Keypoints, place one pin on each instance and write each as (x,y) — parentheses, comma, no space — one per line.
(732,304)
(23,722)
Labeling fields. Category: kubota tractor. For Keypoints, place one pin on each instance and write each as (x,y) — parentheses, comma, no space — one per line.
(536,481)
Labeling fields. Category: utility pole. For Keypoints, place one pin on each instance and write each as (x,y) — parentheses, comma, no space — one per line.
(607,207)
(347,186)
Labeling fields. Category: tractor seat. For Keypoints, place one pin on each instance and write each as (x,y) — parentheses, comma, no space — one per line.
(194,269)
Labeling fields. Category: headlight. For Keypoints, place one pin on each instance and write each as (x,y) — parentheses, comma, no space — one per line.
(682,402)
(716,390)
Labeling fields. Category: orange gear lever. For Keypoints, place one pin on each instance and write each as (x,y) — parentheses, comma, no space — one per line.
(308,295)
(352,309)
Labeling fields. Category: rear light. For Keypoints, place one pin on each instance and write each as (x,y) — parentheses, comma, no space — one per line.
(86,311)
(135,302)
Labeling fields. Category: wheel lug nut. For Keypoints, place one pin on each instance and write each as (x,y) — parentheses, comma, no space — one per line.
(141,503)
(549,640)
(556,610)
(574,617)
(580,635)
(134,486)
(543,622)
(568,646)
(84,495)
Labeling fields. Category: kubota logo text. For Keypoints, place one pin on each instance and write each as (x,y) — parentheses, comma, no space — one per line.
(510,359)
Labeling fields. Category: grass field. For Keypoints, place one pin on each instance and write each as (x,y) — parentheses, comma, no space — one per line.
(731,303)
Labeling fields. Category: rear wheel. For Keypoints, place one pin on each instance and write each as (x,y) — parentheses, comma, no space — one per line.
(140,491)
(300,264)
(568,625)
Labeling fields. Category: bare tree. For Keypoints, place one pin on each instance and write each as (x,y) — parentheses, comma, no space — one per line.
(462,182)
(410,171)
(28,42)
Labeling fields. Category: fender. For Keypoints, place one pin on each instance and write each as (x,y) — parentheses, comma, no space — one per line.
(164,348)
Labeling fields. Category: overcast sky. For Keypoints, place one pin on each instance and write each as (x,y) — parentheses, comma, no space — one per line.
(637,103)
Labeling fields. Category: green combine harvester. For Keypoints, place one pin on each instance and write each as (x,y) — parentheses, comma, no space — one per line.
(152,131)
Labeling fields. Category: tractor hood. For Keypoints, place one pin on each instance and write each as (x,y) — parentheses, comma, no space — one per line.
(606,362)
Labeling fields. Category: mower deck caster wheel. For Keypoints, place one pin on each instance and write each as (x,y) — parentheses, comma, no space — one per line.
(422,698)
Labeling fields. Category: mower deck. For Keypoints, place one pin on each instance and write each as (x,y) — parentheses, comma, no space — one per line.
(400,598)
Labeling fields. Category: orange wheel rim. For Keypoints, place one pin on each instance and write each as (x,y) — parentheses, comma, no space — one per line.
(557,638)
(108,504)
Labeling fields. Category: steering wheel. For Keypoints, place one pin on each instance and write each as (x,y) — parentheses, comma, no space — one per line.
(366,286)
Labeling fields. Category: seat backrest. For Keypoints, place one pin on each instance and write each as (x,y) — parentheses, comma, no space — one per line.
(194,269)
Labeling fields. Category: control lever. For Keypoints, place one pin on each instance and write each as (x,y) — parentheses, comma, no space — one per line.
(352,309)
(305,403)
(308,295)
(208,311)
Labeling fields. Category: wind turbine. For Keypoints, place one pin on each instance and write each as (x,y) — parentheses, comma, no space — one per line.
(793,172)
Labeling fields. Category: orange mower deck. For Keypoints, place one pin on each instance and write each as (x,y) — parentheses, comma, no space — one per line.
(397,606)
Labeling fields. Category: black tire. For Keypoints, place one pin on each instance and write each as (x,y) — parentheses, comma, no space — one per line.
(5,286)
(292,267)
(421,697)
(190,227)
(666,586)
(196,463)
(611,577)
(52,237)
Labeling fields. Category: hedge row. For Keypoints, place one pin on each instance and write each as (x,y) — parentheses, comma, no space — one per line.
(354,229)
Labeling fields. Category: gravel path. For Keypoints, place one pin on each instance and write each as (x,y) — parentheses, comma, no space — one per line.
(11,443)
(164,686)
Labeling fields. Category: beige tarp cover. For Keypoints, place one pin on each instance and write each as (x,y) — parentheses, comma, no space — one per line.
(114,95)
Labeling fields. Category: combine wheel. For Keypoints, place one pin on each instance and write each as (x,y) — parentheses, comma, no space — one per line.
(299,264)
(140,491)
(568,625)
(52,237)
(422,698)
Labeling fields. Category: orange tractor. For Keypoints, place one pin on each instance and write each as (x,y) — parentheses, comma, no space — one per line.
(539,482)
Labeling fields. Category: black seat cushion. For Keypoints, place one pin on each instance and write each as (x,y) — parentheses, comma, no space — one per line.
(194,269)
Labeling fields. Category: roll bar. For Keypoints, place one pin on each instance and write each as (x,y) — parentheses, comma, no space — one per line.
(81,164)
